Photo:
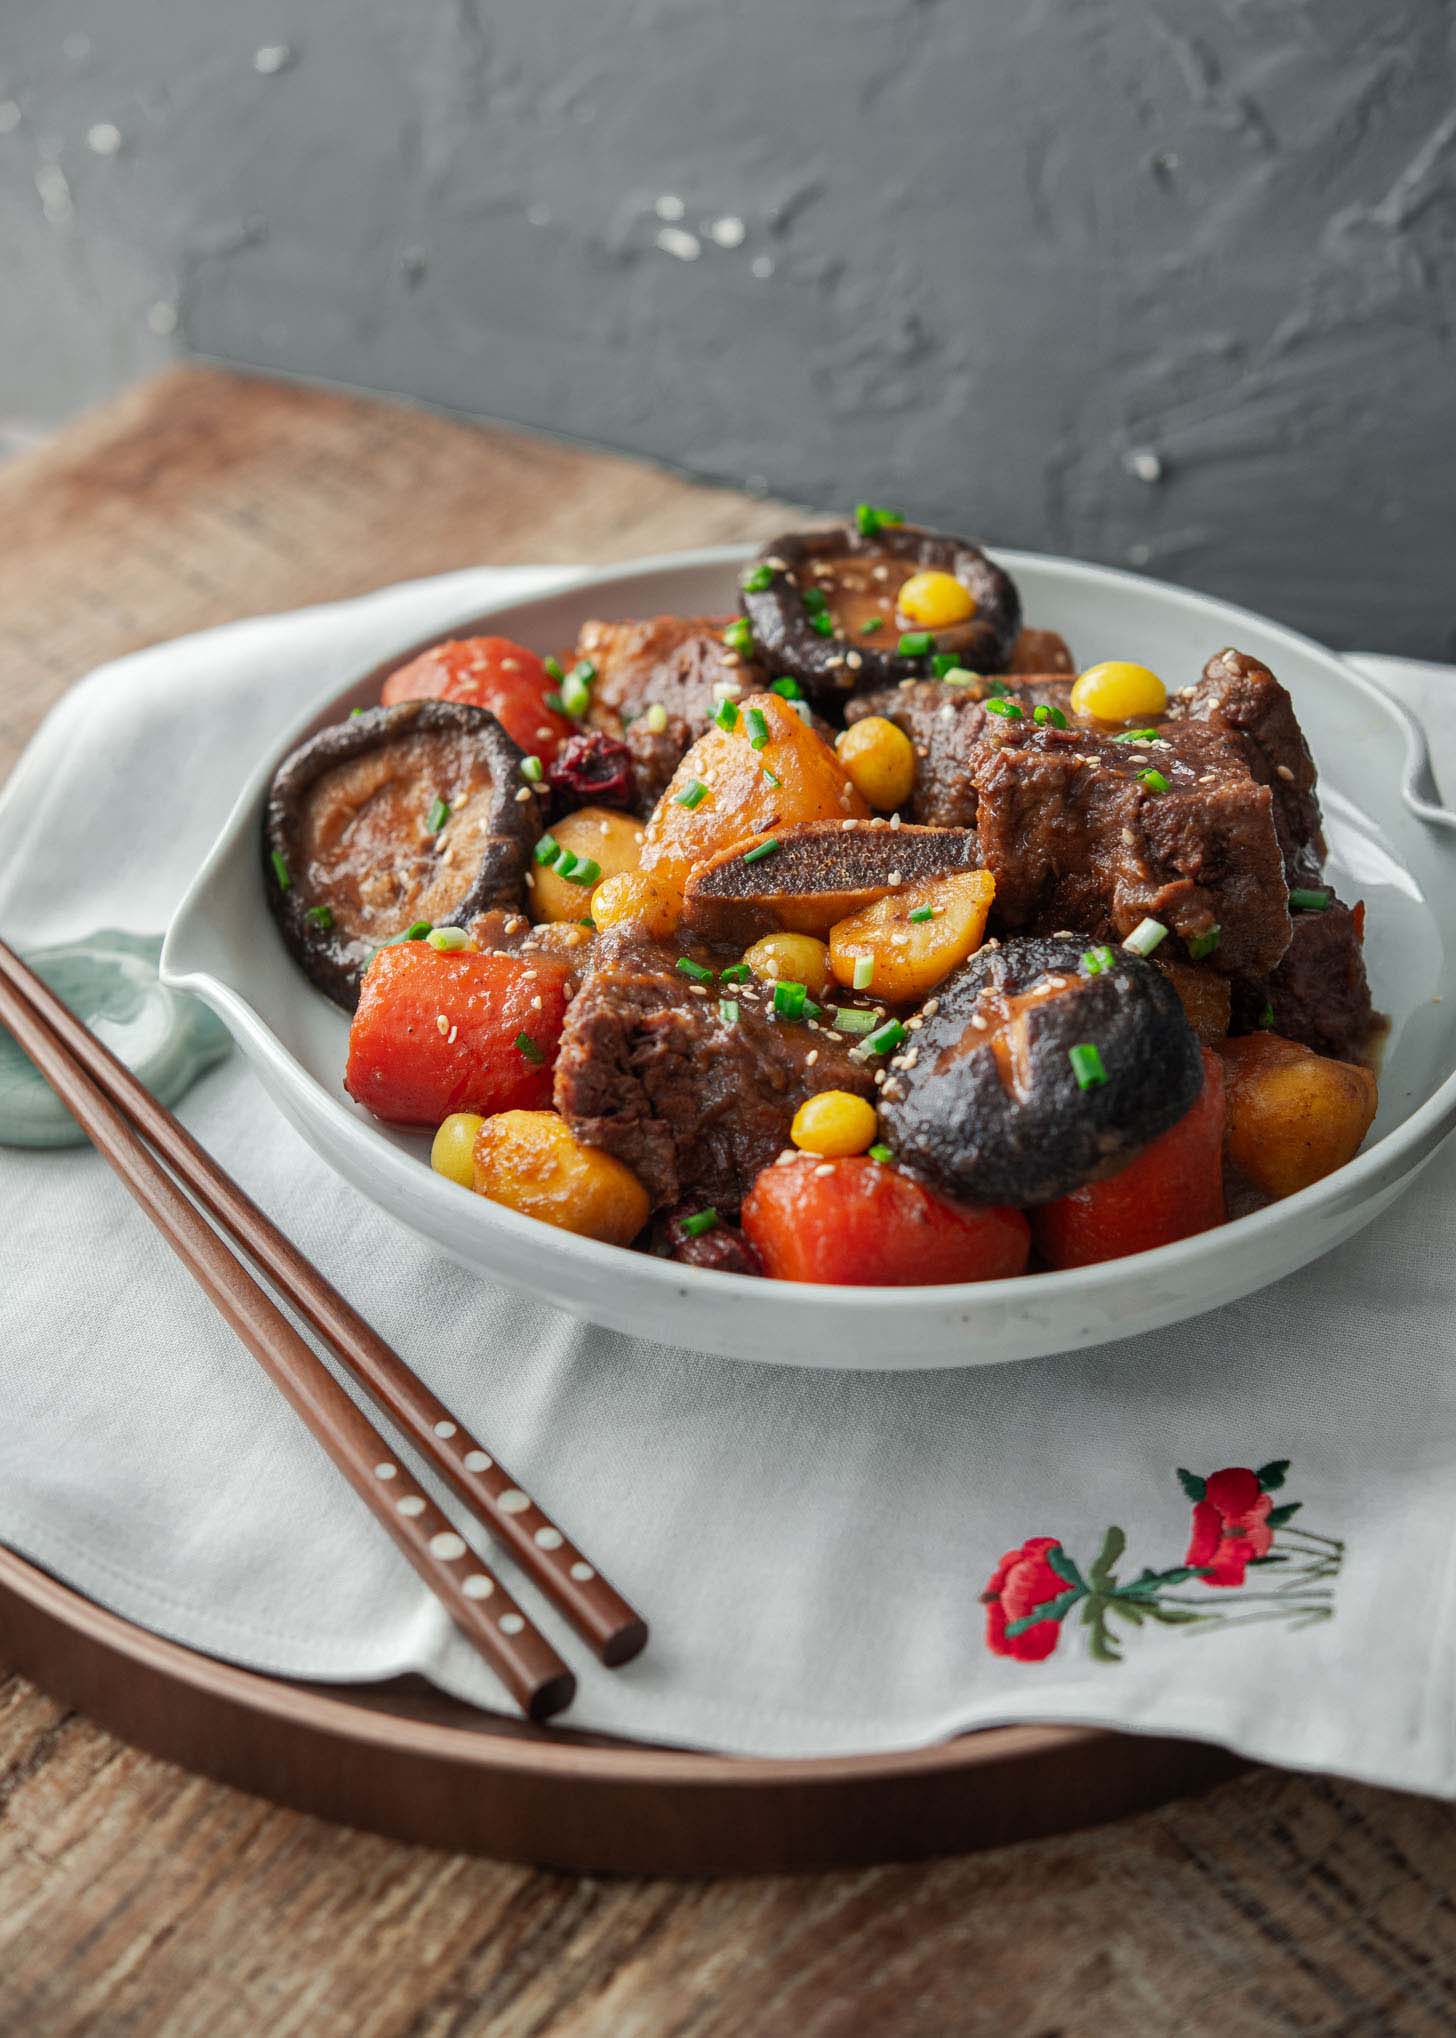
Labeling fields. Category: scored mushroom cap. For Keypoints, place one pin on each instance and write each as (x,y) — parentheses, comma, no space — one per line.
(991,1108)
(852,579)
(397,816)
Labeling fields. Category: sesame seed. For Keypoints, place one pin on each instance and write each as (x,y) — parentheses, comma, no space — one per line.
(879,572)
(778,565)
(932,1006)
(731,658)
(896,877)
(914,1025)
(1284,772)
(510,665)
(853,660)
(825,1168)
(514,925)
(789,1153)
(523,795)
(450,1036)
(899,941)
(604,827)
(442,1024)
(811,1057)
(849,824)
(1129,838)
(894,821)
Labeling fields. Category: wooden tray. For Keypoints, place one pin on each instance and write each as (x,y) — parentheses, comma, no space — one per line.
(405,1760)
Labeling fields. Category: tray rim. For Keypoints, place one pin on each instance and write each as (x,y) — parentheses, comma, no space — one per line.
(497,1787)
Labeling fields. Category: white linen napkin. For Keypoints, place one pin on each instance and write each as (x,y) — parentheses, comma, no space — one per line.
(811,1548)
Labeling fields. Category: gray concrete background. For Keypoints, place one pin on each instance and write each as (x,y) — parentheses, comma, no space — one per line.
(1170,283)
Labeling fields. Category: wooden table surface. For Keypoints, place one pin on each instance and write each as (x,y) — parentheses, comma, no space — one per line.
(136,1899)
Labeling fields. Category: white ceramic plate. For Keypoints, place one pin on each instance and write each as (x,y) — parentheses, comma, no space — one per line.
(1389,845)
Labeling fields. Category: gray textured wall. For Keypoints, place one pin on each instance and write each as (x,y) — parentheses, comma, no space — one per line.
(1163,282)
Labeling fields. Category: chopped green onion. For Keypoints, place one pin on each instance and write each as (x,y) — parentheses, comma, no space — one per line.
(1086,1066)
(355,711)
(728,1011)
(823,623)
(554,669)
(887,1039)
(447,939)
(656,718)
(280,870)
(1137,736)
(811,1010)
(588,921)
(1312,901)
(529,1049)
(870,520)
(1153,780)
(764,849)
(585,870)
(996,688)
(1266,1017)
(789,999)
(532,770)
(700,1221)
(739,637)
(321,916)
(773,781)
(1097,961)
(566,862)
(757,578)
(417,930)
(915,643)
(439,815)
(1045,714)
(944,662)
(1145,937)
(787,689)
(727,715)
(692,795)
(1204,944)
(546,848)
(1007,710)
(922,913)
(757,728)
(575,694)
(556,704)
(850,1019)
(736,973)
(695,970)
(874,623)
(864,972)
(880,1153)
(815,600)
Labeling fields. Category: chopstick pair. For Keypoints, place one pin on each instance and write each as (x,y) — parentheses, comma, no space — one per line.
(126,1123)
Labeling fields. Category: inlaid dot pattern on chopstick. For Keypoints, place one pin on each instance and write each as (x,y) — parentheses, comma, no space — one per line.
(511,1623)
(411,1504)
(446,1429)
(478,1461)
(385,1471)
(478,1586)
(581,1571)
(448,1546)
(549,1538)
(513,1501)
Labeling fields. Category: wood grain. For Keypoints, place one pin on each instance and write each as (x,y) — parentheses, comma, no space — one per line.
(135,1899)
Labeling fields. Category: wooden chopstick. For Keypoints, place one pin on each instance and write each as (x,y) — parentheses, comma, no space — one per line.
(475,1599)
(596,1610)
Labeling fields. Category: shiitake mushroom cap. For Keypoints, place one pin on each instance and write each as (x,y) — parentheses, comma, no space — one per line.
(955,1117)
(821,872)
(786,641)
(349,888)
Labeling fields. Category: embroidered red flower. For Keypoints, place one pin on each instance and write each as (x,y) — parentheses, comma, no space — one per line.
(1021,1582)
(1230,1526)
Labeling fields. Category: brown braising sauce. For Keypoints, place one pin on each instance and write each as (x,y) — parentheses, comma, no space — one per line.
(862,590)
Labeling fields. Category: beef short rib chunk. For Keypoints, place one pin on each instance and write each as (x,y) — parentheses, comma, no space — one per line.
(671,662)
(693,1104)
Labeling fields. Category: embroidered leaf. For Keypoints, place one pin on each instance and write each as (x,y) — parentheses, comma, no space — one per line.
(1278,1516)
(1065,1568)
(1271,1475)
(1192,1485)
(1113,1545)
(1133,1614)
(1050,1609)
(1148,1582)
(1178,1616)
(1101,1646)
(1273,1558)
